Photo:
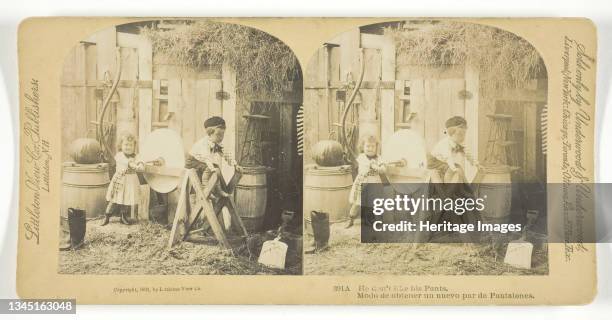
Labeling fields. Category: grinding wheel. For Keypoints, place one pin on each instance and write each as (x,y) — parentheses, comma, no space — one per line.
(167,145)
(407,145)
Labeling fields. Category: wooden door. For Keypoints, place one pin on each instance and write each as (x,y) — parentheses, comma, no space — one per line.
(190,102)
(134,108)
(430,101)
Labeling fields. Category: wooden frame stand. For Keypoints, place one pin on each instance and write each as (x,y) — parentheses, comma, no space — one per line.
(205,207)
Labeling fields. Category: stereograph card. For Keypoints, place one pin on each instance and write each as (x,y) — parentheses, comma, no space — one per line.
(376,160)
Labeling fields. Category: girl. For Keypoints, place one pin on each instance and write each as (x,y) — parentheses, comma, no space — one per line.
(124,189)
(368,171)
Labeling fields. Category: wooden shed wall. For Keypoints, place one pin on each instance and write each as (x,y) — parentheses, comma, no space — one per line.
(153,94)
(391,90)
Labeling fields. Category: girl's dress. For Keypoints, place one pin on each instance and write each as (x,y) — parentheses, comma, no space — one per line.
(124,187)
(365,174)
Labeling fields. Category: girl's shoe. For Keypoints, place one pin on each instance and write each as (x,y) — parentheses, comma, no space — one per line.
(106,220)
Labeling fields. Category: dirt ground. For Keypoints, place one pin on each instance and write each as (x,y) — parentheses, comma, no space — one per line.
(348,256)
(142,249)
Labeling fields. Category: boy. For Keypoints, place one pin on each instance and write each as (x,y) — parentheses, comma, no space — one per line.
(207,154)
(449,155)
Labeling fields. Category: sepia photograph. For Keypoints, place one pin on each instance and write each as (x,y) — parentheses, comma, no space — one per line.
(179,150)
(456,108)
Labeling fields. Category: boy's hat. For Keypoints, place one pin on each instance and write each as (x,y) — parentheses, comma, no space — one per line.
(455,122)
(214,122)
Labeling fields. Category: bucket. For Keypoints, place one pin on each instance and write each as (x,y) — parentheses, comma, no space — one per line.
(327,189)
(84,187)
(251,197)
(495,185)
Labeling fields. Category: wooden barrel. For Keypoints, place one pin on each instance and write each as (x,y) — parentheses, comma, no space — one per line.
(84,187)
(251,197)
(494,183)
(327,189)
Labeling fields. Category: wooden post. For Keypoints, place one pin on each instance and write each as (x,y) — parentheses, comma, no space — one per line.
(178,226)
(209,211)
(472,83)
(387,96)
(143,205)
(228,107)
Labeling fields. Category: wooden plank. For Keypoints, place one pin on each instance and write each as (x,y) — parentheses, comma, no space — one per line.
(315,71)
(387,113)
(143,204)
(178,226)
(388,60)
(334,65)
(74,99)
(472,86)
(214,105)
(229,108)
(322,114)
(145,111)
(366,84)
(176,104)
(236,220)
(126,109)
(209,211)
(350,55)
(373,66)
(311,123)
(93,83)
(106,53)
(91,99)
(145,95)
(322,95)
(369,113)
(373,41)
(417,103)
(128,40)
(155,111)
(530,143)
(432,119)
(406,72)
(106,45)
(387,96)
(201,111)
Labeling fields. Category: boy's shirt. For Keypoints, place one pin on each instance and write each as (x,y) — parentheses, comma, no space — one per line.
(210,153)
(452,153)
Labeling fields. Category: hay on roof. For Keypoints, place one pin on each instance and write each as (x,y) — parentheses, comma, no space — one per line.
(263,63)
(503,59)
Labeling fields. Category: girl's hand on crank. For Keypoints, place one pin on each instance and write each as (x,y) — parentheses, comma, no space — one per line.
(382,169)
(140,167)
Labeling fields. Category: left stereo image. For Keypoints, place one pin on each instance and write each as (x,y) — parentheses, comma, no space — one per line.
(180,152)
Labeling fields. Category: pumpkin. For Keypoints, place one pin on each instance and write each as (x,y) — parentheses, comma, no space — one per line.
(328,153)
(86,151)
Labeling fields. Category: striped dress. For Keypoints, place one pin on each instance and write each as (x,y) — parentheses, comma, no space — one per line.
(124,187)
(365,174)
